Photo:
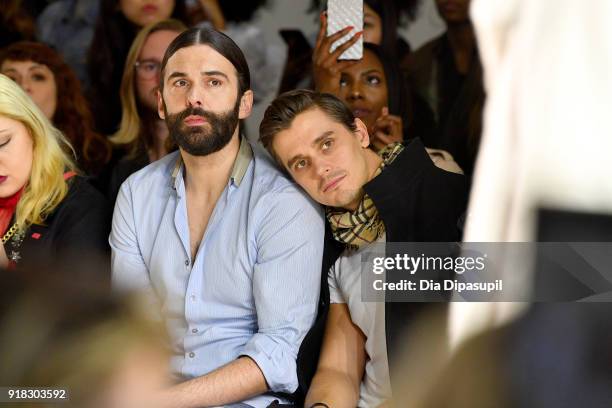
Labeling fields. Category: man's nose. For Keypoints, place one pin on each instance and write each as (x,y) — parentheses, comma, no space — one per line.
(322,167)
(195,97)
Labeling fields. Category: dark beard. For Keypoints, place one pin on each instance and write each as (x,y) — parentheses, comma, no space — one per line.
(208,138)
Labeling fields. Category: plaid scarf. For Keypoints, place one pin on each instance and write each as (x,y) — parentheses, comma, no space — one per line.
(362,226)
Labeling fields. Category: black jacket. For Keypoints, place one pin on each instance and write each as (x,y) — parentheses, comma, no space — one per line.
(417,202)
(74,235)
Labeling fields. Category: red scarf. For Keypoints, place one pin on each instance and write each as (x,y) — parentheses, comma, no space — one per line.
(8,205)
(7,209)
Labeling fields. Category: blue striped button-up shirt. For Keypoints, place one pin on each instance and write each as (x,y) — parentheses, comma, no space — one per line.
(252,289)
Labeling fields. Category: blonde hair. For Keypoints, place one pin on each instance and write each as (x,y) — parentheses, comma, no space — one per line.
(46,187)
(130,128)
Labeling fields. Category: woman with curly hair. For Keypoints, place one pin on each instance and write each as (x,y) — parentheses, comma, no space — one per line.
(47,211)
(53,86)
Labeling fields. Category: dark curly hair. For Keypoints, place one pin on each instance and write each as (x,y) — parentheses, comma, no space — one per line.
(72,115)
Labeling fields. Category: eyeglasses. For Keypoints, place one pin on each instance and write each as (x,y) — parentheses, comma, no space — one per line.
(147,69)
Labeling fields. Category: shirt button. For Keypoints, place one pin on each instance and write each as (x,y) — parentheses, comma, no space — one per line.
(194,330)
(186,262)
(192,354)
(193,298)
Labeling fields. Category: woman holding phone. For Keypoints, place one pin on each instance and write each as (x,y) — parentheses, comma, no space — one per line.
(375,90)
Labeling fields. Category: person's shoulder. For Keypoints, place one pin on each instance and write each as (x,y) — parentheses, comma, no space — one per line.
(55,11)
(267,177)
(155,176)
(80,190)
(272,185)
(423,55)
(82,198)
(430,45)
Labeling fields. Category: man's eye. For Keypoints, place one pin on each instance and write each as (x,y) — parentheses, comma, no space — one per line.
(214,82)
(326,144)
(343,82)
(180,83)
(300,164)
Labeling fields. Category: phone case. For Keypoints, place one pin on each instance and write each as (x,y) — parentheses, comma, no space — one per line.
(341,14)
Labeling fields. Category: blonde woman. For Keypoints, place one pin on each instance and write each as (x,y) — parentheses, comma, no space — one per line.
(46,209)
(142,135)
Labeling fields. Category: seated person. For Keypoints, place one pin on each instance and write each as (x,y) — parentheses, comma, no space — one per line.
(375,90)
(447,74)
(142,136)
(55,89)
(397,196)
(219,237)
(47,212)
(117,24)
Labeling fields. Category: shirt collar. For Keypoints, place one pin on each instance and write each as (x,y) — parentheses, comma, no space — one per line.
(243,159)
(241,164)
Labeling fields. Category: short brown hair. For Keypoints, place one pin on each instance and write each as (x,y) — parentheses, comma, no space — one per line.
(285,108)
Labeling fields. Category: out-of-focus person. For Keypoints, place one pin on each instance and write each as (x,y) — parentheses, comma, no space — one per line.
(546,141)
(55,334)
(68,26)
(118,23)
(47,211)
(16,23)
(142,135)
(447,74)
(53,86)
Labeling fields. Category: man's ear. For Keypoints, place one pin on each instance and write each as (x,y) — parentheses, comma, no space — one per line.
(160,105)
(246,105)
(362,133)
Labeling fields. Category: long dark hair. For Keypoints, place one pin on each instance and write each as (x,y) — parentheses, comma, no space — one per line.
(399,100)
(72,115)
(111,42)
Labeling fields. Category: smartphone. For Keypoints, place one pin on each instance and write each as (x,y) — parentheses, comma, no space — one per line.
(341,14)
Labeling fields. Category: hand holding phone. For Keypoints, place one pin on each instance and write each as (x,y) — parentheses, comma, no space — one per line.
(326,64)
(341,14)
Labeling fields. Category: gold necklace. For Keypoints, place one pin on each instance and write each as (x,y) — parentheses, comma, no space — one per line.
(9,233)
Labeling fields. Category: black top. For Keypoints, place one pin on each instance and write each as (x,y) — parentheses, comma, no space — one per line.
(455,100)
(75,235)
(417,202)
(124,168)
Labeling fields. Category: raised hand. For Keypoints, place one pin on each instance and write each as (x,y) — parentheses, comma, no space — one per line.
(326,68)
(386,130)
